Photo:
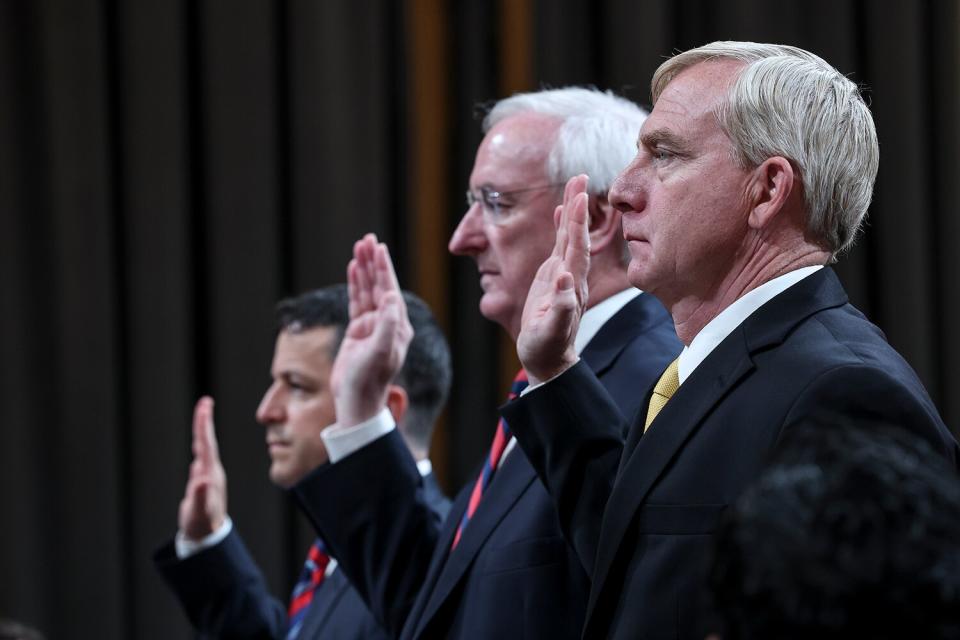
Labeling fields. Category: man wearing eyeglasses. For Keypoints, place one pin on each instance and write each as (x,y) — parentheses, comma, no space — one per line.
(499,566)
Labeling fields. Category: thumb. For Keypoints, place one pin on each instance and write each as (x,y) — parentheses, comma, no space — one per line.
(564,306)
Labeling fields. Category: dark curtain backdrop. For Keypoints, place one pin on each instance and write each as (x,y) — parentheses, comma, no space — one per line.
(168,170)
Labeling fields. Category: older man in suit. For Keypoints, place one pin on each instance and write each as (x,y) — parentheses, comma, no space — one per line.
(499,566)
(753,171)
(209,567)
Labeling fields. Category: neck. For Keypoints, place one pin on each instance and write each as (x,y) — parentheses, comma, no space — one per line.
(693,312)
(605,282)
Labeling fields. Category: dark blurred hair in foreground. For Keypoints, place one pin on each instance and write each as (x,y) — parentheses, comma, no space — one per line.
(850,533)
(10,630)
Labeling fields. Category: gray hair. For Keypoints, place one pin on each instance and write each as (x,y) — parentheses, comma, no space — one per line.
(791,103)
(597,137)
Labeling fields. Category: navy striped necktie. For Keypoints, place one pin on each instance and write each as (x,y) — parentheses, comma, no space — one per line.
(314,570)
(500,440)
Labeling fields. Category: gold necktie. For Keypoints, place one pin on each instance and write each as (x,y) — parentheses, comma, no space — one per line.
(666,386)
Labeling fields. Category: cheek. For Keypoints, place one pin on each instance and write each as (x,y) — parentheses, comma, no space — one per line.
(308,419)
(531,245)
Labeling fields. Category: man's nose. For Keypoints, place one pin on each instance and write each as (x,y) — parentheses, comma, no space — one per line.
(626,193)
(270,409)
(469,238)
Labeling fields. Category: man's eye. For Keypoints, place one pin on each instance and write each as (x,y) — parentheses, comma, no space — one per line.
(297,387)
(661,154)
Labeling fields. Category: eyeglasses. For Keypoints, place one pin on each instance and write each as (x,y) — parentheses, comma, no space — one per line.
(492,201)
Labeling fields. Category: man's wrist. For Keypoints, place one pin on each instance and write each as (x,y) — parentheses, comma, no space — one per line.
(185,547)
(355,409)
(536,384)
(341,440)
(543,375)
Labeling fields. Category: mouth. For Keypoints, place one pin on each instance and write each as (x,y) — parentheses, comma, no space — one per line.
(277,445)
(486,277)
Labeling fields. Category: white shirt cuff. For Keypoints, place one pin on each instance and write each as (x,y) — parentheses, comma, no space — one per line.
(342,441)
(186,547)
(425,467)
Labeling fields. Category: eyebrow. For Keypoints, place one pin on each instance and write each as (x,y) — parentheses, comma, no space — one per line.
(492,187)
(291,375)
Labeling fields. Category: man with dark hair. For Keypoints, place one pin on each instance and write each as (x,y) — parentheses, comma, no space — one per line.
(208,566)
(11,630)
(850,533)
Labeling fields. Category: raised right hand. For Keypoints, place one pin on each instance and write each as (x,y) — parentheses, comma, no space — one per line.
(204,505)
(375,342)
(558,294)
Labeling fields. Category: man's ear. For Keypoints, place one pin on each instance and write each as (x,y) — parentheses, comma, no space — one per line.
(397,402)
(604,221)
(773,182)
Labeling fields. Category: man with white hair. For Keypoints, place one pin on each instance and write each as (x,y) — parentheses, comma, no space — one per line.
(499,566)
(753,172)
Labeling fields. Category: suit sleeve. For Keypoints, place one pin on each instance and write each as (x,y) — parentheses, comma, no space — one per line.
(572,432)
(872,397)
(377,517)
(223,592)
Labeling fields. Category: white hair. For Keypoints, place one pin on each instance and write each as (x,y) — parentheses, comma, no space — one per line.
(791,103)
(597,137)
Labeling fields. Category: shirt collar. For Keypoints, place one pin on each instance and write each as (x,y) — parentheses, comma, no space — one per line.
(591,322)
(424,467)
(733,316)
(596,316)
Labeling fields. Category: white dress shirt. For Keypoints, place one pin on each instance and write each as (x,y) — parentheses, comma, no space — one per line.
(733,316)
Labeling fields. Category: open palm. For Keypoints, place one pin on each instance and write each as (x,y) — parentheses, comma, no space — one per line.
(375,342)
(558,294)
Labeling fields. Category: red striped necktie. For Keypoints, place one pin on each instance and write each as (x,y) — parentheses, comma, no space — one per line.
(314,570)
(500,440)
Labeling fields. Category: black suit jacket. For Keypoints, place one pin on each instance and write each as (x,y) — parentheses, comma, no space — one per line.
(806,354)
(225,595)
(512,574)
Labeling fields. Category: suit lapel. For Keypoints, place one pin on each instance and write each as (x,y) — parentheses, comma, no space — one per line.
(679,420)
(448,568)
(636,317)
(324,603)
(437,563)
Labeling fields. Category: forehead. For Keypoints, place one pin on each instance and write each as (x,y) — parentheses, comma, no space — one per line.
(514,152)
(308,351)
(688,104)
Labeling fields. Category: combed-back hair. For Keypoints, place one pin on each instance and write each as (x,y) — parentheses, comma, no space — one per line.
(791,103)
(598,135)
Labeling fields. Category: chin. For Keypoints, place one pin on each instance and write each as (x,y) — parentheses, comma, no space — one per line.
(637,275)
(283,478)
(495,308)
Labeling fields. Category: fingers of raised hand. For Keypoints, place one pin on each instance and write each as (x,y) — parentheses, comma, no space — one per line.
(205,448)
(574,189)
(353,288)
(359,275)
(394,331)
(384,273)
(560,222)
(577,231)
